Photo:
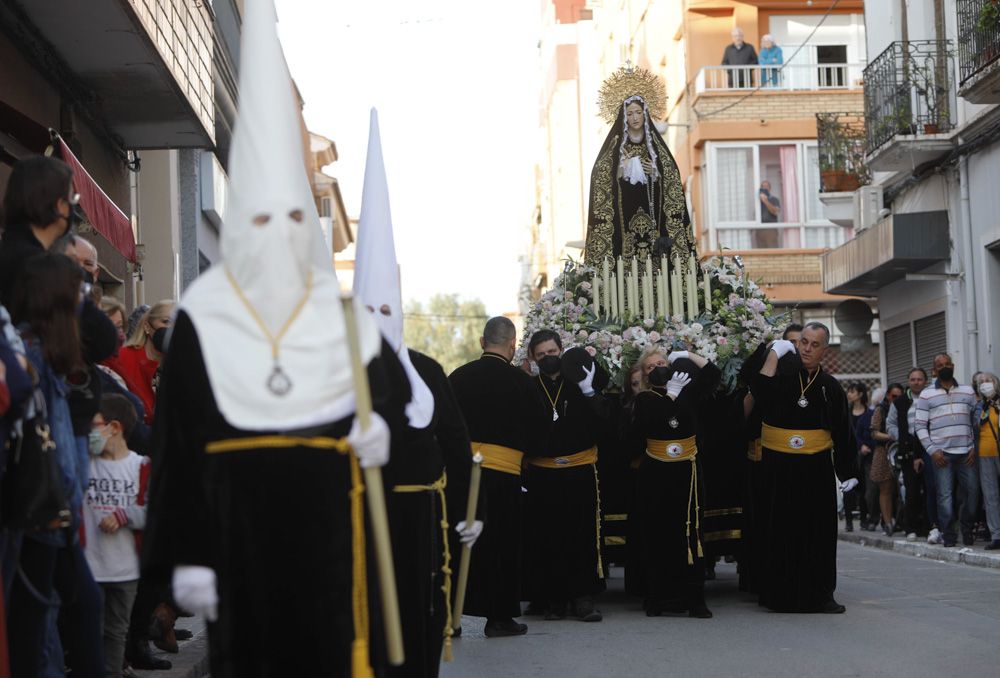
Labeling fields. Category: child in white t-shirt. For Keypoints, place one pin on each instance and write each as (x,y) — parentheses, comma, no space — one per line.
(114,510)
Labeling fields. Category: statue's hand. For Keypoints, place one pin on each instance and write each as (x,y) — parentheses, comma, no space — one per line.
(647,166)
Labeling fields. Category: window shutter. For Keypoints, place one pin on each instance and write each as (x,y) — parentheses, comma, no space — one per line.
(898,353)
(932,338)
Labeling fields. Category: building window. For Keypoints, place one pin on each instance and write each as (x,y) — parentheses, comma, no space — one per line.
(325,207)
(766,196)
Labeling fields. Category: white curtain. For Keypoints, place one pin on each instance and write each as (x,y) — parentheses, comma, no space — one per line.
(735,238)
(734,192)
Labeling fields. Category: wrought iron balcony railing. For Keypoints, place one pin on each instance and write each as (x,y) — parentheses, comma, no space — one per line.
(842,142)
(910,89)
(978,36)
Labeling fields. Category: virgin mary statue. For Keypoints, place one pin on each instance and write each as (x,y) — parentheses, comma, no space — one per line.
(637,204)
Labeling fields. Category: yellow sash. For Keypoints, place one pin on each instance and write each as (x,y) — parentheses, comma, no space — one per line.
(796,441)
(584,458)
(499,458)
(671,450)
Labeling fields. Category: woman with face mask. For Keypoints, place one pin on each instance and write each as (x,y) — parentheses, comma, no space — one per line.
(671,564)
(985,424)
(139,359)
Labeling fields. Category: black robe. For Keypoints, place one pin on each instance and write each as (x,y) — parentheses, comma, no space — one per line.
(798,507)
(562,524)
(420,457)
(626,219)
(273,522)
(722,453)
(500,406)
(671,571)
(751,559)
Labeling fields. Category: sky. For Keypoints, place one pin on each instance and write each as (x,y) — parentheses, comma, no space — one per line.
(456,87)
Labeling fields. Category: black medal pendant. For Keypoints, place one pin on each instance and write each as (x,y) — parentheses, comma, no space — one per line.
(278,383)
(673,422)
(555,415)
(803,402)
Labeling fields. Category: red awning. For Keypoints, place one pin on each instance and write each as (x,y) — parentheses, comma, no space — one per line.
(103,214)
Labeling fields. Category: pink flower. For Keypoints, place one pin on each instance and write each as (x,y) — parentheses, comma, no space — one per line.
(591,350)
(722,341)
(654,336)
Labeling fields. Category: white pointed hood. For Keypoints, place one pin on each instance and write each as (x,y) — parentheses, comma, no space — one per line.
(275,269)
(376,273)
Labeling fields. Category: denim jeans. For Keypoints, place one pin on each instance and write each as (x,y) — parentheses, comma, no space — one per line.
(930,490)
(989,472)
(968,480)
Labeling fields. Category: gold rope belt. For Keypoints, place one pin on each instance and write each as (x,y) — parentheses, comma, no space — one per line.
(681,450)
(360,663)
(755,449)
(796,441)
(499,458)
(438,486)
(586,458)
(569,461)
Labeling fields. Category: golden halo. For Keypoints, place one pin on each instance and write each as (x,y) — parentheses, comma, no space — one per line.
(626,82)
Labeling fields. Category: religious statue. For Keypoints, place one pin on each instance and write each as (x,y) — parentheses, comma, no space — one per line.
(637,202)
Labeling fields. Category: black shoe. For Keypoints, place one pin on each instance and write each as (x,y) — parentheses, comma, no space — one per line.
(700,612)
(585,611)
(849,527)
(832,607)
(139,657)
(504,627)
(534,610)
(710,572)
(948,543)
(968,539)
(183,634)
(993,545)
(456,632)
(887,529)
(653,612)
(555,612)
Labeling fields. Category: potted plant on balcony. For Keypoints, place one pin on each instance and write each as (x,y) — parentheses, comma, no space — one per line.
(934,96)
(987,28)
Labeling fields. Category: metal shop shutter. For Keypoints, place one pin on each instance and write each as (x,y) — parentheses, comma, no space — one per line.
(931,334)
(898,353)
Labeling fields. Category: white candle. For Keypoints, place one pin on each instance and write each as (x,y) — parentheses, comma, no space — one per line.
(647,298)
(629,297)
(692,288)
(613,288)
(660,297)
(707,282)
(665,285)
(595,291)
(620,288)
(677,299)
(651,310)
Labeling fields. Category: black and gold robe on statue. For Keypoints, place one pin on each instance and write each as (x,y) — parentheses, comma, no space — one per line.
(671,566)
(798,506)
(425,546)
(501,409)
(271,513)
(626,219)
(562,555)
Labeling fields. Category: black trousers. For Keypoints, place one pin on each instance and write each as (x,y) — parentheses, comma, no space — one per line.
(914,508)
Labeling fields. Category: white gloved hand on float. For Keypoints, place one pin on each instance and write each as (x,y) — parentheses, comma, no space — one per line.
(677,355)
(587,383)
(371,446)
(848,484)
(677,384)
(469,533)
(782,347)
(194,590)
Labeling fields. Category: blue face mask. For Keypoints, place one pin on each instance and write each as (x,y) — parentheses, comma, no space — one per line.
(96,441)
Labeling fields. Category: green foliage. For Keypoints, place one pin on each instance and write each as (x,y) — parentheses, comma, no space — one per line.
(446,328)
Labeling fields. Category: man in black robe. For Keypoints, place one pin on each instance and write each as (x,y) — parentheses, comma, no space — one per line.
(562,528)
(806,436)
(502,411)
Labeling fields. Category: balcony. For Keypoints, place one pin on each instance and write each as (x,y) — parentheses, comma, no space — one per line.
(140,68)
(841,141)
(909,104)
(787,78)
(886,252)
(979,50)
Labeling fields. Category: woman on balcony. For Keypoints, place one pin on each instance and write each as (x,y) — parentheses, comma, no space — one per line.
(770,55)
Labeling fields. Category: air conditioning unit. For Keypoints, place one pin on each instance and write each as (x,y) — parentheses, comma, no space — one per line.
(867,206)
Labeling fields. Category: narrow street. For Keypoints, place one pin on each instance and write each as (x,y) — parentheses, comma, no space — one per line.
(905,617)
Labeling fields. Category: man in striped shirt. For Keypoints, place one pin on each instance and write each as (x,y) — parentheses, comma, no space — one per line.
(943,424)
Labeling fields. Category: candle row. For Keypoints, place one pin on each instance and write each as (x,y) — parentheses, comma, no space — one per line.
(647,294)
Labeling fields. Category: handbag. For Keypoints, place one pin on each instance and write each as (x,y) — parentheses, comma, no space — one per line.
(32,497)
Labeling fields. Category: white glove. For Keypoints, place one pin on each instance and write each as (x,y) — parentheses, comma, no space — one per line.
(677,384)
(469,534)
(782,347)
(587,384)
(194,590)
(371,446)
(848,484)
(677,355)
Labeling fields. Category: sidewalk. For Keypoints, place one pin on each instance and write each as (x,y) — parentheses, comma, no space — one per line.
(968,555)
(191,661)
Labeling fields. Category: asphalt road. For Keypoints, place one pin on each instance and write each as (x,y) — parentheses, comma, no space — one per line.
(906,616)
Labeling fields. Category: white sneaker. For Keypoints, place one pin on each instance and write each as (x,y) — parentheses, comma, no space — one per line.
(912,536)
(935,537)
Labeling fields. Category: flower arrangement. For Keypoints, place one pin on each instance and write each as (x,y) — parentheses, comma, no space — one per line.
(741,317)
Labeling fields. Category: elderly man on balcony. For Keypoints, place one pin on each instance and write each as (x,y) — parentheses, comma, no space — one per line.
(739,54)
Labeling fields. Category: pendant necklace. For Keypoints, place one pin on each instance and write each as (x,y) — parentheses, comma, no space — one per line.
(278,382)
(803,402)
(672,422)
(552,401)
